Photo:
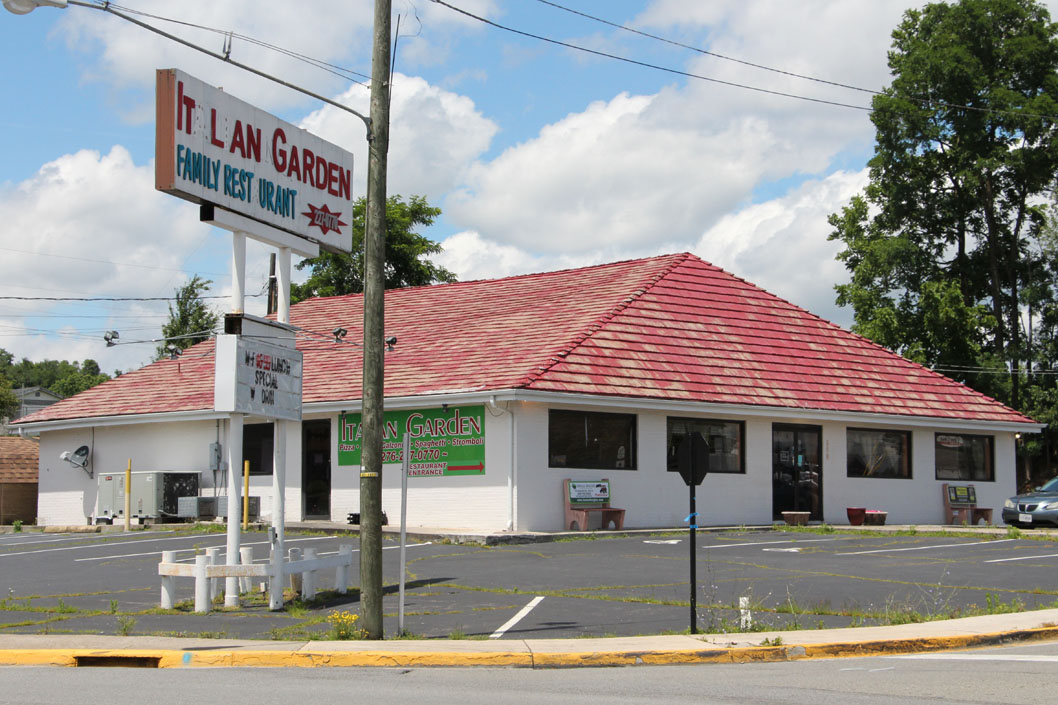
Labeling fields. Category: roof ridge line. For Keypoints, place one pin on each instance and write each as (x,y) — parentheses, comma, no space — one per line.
(599,323)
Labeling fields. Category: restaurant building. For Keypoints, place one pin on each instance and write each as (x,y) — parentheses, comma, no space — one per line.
(510,386)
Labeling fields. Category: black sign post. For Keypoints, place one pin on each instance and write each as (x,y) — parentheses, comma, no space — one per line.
(693,464)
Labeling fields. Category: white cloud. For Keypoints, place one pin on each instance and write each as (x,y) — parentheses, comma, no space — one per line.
(435,135)
(122,56)
(630,172)
(92,225)
(782,245)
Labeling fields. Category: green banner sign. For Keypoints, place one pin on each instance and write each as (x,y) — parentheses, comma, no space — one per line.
(444,442)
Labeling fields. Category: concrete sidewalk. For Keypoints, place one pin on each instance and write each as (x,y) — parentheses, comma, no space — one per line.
(165,652)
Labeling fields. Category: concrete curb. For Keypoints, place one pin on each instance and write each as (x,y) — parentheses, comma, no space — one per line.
(359,654)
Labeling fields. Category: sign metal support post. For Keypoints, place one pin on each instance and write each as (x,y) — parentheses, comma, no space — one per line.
(405,465)
(693,517)
(693,464)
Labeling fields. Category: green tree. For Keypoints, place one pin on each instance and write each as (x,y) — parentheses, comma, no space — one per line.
(946,246)
(191,320)
(334,274)
(77,382)
(60,376)
(8,400)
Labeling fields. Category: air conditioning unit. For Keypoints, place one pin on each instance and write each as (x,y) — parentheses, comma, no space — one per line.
(213,507)
(153,495)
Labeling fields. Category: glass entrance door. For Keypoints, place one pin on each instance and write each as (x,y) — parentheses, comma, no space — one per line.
(797,470)
(316,469)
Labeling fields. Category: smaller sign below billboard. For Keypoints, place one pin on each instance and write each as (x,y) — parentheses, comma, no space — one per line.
(444,442)
(257,378)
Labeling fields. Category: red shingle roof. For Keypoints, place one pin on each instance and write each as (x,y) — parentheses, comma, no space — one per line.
(19,458)
(671,327)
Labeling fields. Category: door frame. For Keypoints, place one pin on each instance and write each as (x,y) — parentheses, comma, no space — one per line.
(814,498)
(306,479)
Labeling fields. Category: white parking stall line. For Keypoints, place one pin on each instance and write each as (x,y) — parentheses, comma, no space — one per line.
(158,553)
(1041,658)
(517,618)
(255,543)
(190,537)
(924,548)
(772,543)
(73,537)
(1022,558)
(98,545)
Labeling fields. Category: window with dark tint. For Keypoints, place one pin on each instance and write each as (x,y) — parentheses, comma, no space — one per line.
(964,457)
(257,440)
(591,439)
(724,439)
(878,453)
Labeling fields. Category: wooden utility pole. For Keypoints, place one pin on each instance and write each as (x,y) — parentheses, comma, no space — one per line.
(374,322)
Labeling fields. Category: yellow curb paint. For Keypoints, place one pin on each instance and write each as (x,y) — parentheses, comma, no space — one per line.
(381,658)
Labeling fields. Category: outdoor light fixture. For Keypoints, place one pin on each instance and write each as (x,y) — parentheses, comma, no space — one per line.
(110,336)
(390,342)
(78,458)
(339,333)
(174,351)
(23,7)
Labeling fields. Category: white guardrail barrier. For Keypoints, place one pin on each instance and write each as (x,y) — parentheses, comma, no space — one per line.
(208,572)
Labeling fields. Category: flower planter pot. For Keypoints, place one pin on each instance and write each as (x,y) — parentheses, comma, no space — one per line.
(856,515)
(874,518)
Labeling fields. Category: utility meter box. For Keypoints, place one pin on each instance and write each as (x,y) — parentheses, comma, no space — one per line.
(153,494)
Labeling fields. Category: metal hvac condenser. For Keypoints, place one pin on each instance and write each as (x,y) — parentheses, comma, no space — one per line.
(154,495)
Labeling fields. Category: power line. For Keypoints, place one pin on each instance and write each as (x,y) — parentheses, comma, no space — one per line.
(922,102)
(709,53)
(110,298)
(339,71)
(648,65)
(103,261)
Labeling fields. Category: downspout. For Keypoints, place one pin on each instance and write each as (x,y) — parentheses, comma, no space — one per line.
(496,411)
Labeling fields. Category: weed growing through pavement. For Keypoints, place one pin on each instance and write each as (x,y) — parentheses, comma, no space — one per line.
(343,626)
(126,624)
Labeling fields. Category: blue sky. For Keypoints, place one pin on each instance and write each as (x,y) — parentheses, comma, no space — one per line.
(541,156)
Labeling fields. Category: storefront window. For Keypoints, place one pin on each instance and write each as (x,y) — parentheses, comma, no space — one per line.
(257,444)
(724,439)
(591,439)
(964,457)
(878,453)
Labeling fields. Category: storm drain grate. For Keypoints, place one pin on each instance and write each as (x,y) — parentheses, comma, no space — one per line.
(117,661)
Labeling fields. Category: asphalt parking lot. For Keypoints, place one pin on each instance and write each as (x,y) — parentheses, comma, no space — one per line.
(613,586)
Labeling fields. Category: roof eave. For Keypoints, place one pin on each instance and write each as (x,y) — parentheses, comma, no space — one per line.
(623,402)
(123,420)
(775,412)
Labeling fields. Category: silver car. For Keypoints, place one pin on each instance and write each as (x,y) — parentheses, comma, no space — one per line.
(1038,508)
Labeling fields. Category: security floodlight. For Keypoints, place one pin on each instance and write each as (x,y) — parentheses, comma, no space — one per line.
(174,351)
(78,458)
(110,336)
(339,333)
(391,341)
(23,7)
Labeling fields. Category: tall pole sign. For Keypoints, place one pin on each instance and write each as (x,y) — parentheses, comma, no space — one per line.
(693,464)
(212,148)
